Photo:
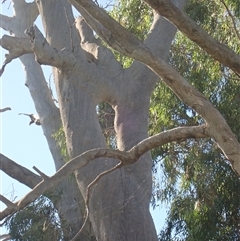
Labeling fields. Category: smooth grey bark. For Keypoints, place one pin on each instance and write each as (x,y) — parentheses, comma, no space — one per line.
(119,203)
(18,172)
(126,43)
(125,158)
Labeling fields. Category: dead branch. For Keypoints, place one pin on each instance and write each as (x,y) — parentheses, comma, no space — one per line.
(232,18)
(18,172)
(16,47)
(5,109)
(44,176)
(126,158)
(5,237)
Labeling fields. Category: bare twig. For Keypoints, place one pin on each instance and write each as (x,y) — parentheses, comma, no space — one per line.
(88,196)
(126,158)
(44,176)
(5,109)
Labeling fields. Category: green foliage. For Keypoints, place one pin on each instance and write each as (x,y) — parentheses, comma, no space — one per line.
(197,182)
(37,221)
(60,138)
(135,16)
(206,198)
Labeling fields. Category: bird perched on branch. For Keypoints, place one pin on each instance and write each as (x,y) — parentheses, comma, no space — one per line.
(34,119)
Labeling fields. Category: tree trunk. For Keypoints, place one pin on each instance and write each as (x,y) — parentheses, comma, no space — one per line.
(119,202)
(70,203)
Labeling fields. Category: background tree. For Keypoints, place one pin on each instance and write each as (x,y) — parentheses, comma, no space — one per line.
(87,75)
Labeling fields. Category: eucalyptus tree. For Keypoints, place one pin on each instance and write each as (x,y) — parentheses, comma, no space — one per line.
(109,196)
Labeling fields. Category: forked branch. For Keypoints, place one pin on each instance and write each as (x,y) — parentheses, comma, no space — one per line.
(125,157)
(126,43)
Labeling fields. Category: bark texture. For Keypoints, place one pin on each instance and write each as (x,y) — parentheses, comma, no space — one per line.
(117,198)
(86,74)
(24,16)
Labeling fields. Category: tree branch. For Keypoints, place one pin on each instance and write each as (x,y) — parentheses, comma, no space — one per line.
(18,172)
(111,31)
(126,43)
(6,23)
(156,40)
(232,19)
(16,47)
(186,25)
(8,203)
(98,54)
(126,157)
(46,54)
(88,197)
(5,109)
(5,237)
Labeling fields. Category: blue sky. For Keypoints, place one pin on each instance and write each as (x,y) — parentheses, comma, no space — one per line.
(20,142)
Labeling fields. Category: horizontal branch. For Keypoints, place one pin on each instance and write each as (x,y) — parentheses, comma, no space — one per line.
(5,109)
(126,43)
(187,26)
(126,157)
(16,47)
